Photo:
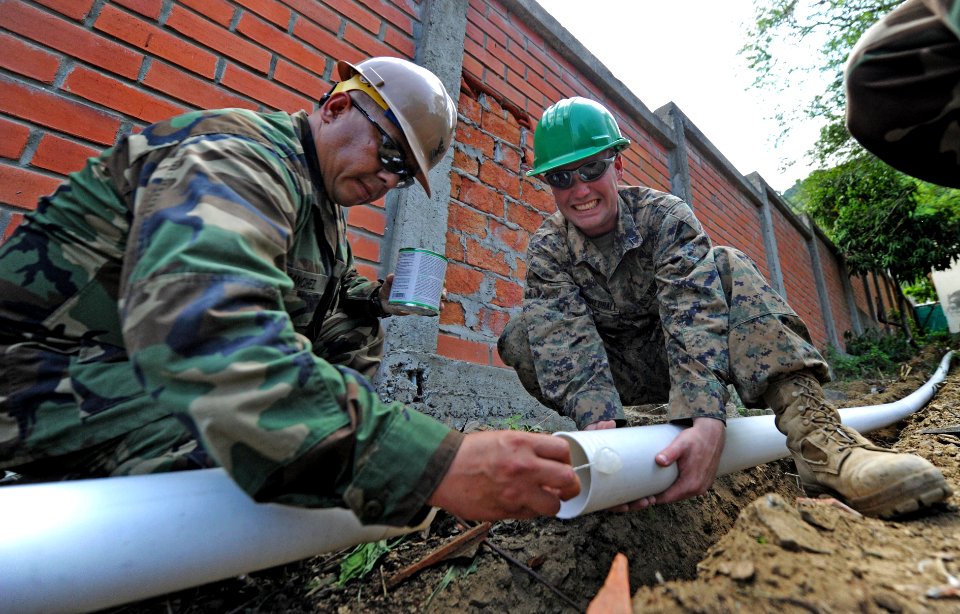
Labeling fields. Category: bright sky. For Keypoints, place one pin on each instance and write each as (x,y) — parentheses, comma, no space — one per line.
(685,51)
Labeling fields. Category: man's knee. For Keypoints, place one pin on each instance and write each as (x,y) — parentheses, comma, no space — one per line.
(513,344)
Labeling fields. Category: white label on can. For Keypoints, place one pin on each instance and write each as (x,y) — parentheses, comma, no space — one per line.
(418,280)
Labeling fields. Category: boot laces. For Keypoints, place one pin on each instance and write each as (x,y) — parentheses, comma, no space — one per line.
(821,414)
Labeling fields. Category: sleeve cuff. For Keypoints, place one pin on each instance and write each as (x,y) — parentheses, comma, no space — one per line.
(698,400)
(594,406)
(408,462)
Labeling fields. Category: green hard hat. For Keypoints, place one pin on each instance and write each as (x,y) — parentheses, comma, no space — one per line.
(571,130)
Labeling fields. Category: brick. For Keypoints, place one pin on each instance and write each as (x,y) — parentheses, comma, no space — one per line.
(280,43)
(319,38)
(300,80)
(461,349)
(274,12)
(483,258)
(75,9)
(526,218)
(110,93)
(46,109)
(76,41)
(367,218)
(389,13)
(480,196)
(265,91)
(469,107)
(366,270)
(364,247)
(317,12)
(504,126)
(473,137)
(401,41)
(218,11)
(536,193)
(27,60)
(493,321)
(454,249)
(61,155)
(462,280)
(452,314)
(196,92)
(495,175)
(210,34)
(497,361)
(156,41)
(147,8)
(465,162)
(360,15)
(507,293)
(466,220)
(21,187)
(13,138)
(515,239)
(361,39)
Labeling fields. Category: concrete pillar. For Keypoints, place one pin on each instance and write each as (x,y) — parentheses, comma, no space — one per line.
(821,284)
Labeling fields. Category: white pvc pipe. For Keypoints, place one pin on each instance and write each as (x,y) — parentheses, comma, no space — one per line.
(90,544)
(621,467)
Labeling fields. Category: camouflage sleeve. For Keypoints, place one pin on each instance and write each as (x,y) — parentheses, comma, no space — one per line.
(903,102)
(204,321)
(693,313)
(568,354)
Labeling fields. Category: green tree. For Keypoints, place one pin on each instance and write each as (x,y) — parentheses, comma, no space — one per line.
(881,219)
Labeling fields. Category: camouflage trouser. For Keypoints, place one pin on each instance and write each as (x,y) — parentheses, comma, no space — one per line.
(903,101)
(766,341)
(168,445)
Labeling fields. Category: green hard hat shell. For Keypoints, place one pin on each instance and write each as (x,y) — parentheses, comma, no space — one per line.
(573,129)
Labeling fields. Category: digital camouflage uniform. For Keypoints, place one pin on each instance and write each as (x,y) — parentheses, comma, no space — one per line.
(189,299)
(903,90)
(661,316)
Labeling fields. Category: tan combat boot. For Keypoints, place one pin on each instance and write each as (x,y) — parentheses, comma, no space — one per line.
(837,460)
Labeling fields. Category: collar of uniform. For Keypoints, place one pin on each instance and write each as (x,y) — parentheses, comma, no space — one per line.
(330,218)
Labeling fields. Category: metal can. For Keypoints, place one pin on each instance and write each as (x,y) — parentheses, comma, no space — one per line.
(418,281)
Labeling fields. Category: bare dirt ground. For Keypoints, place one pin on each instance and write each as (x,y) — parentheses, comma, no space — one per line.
(748,545)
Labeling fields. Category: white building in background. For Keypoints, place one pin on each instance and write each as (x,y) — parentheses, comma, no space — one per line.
(947,284)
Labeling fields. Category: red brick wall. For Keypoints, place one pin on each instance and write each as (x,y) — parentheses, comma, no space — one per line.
(76,75)
(728,215)
(834,284)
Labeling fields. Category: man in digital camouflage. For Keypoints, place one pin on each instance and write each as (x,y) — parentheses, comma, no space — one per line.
(189,299)
(903,90)
(627,302)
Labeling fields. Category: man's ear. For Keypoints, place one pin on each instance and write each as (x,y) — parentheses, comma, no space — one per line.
(336,105)
(618,166)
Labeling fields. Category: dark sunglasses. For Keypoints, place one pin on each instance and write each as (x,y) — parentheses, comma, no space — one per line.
(391,156)
(591,171)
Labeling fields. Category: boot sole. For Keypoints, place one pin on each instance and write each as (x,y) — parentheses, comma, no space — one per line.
(911,494)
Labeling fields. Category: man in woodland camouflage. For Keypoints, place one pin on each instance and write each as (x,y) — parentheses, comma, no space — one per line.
(189,299)
(627,302)
(903,90)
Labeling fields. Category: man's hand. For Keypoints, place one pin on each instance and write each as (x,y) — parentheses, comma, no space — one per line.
(395,310)
(696,450)
(507,474)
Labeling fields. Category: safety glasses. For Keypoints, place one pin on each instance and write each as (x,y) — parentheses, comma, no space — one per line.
(391,156)
(591,171)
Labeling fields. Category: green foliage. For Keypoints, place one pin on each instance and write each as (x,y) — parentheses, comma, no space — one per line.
(515,423)
(363,559)
(882,219)
(871,354)
(923,291)
(454,572)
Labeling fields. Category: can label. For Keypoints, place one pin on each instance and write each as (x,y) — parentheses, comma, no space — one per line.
(418,281)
